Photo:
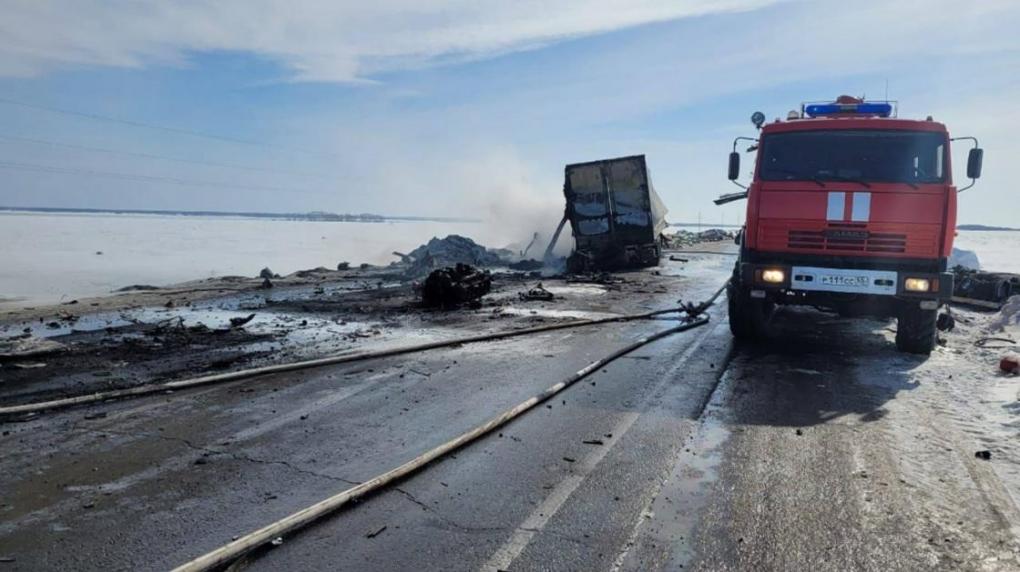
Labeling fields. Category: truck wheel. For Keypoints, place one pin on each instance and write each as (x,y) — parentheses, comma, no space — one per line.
(915,330)
(750,318)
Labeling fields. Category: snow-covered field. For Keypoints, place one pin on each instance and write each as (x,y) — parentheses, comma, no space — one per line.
(50,257)
(997,251)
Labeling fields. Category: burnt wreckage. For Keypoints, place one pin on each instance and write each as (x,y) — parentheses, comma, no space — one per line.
(615,215)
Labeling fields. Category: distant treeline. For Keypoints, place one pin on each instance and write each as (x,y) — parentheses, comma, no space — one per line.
(982,227)
(309,216)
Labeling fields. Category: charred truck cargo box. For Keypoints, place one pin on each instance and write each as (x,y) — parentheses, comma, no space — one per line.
(615,215)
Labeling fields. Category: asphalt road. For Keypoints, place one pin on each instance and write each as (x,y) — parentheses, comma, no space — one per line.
(817,452)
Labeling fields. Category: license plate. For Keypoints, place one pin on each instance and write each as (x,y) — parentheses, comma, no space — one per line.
(846,280)
(851,281)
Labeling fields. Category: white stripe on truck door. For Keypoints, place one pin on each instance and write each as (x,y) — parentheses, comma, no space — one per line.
(837,205)
(861,211)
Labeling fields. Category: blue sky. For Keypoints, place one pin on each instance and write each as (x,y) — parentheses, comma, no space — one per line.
(465,108)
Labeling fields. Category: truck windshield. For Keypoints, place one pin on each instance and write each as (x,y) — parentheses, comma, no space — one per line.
(910,157)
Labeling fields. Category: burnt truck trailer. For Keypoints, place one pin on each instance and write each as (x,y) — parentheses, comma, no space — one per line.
(614,213)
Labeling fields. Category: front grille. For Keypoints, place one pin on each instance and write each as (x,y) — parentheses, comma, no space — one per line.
(847,238)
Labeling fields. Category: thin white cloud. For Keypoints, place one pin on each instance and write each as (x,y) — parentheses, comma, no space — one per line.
(317,40)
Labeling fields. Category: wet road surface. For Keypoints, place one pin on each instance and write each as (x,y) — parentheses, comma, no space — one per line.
(820,451)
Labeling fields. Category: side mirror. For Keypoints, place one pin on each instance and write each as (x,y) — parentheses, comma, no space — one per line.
(735,165)
(973,163)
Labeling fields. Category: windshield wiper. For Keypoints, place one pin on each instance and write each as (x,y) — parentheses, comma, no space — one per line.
(794,176)
(850,180)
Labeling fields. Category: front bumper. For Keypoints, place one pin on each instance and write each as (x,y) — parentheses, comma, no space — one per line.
(880,283)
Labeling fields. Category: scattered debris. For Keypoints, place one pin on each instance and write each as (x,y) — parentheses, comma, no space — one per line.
(137,288)
(983,455)
(570,459)
(238,322)
(534,239)
(376,533)
(676,258)
(988,286)
(28,365)
(453,286)
(684,238)
(714,235)
(311,272)
(527,265)
(1010,363)
(277,541)
(25,347)
(593,442)
(226,362)
(537,293)
(452,250)
(95,415)
(983,342)
(603,278)
(945,322)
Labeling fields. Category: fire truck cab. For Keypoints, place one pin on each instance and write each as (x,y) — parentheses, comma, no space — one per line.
(849,209)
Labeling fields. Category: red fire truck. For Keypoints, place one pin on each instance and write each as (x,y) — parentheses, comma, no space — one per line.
(849,209)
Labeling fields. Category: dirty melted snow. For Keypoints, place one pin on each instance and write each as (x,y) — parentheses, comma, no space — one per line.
(962,381)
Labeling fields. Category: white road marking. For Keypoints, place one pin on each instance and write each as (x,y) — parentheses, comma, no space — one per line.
(540,516)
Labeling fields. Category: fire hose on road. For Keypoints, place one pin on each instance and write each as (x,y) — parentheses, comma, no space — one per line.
(154,388)
(321,509)
(244,545)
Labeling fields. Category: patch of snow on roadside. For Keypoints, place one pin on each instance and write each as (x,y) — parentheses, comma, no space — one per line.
(965,258)
(1008,318)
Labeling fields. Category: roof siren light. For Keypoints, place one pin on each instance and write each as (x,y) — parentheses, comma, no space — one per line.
(847,105)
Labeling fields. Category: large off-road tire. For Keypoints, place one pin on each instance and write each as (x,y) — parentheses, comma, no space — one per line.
(750,318)
(915,330)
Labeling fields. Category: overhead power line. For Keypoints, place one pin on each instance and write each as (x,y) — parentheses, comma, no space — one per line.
(36,168)
(164,128)
(161,157)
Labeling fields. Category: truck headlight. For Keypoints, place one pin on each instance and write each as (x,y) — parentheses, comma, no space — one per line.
(917,284)
(773,276)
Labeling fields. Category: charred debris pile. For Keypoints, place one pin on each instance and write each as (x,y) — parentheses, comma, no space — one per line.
(977,287)
(455,270)
(617,221)
(448,252)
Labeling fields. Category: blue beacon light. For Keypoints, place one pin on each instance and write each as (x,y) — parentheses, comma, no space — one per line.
(822,109)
